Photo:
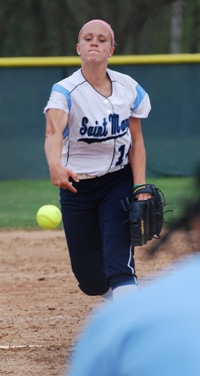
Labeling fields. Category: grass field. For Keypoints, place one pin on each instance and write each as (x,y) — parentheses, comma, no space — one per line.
(21,199)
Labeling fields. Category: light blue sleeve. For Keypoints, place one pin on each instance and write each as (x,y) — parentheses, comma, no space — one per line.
(60,89)
(141,106)
(59,99)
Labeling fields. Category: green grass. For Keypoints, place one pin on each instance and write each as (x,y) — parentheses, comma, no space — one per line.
(179,193)
(21,199)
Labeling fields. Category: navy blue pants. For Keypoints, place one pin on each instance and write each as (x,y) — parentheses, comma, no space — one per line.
(96,229)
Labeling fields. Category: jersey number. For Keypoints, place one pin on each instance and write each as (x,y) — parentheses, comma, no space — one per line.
(121,157)
(121,150)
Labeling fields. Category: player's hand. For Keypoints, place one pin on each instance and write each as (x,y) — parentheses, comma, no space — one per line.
(60,176)
(143,196)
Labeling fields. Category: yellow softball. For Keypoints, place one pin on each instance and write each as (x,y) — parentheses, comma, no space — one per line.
(48,216)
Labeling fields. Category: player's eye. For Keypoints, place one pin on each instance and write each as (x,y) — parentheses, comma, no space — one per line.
(101,40)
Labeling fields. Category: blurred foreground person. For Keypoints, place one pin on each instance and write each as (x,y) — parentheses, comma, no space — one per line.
(155,334)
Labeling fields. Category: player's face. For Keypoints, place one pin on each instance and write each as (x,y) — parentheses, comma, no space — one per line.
(95,43)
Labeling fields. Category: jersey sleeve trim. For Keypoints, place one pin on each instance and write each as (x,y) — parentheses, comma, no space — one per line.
(64,91)
(139,98)
(66,132)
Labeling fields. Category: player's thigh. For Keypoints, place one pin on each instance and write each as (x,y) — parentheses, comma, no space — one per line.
(115,228)
(80,222)
(113,208)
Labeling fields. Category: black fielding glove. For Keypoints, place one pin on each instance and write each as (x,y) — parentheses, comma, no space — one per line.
(146,216)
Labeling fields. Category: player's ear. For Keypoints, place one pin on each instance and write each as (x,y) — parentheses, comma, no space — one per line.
(78,49)
(111,51)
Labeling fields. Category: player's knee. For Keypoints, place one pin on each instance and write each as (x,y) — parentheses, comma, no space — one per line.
(92,284)
(91,277)
(93,290)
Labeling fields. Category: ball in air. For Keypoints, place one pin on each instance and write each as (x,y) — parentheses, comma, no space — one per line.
(48,216)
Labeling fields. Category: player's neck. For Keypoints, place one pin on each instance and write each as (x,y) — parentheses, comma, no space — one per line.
(98,79)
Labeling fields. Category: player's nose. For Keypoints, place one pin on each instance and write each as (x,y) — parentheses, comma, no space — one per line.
(94,41)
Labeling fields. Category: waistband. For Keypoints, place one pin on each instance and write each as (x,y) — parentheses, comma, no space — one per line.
(88,176)
(85,176)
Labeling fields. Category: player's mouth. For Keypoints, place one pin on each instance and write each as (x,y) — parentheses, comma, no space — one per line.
(93,50)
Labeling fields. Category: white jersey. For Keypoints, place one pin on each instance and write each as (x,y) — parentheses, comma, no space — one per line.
(97,138)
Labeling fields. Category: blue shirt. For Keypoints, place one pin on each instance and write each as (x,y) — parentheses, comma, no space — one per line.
(153,332)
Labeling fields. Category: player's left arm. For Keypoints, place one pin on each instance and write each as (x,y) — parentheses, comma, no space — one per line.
(137,155)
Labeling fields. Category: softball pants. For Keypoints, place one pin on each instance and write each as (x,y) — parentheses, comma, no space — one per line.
(96,229)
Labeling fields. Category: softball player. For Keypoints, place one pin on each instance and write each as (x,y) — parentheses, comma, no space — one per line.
(95,152)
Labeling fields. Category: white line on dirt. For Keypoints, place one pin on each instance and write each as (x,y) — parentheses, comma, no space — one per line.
(22,319)
(18,346)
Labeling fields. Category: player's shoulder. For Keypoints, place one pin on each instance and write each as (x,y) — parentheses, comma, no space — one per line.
(121,78)
(72,81)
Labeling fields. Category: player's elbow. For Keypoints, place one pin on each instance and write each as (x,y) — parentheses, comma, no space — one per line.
(56,121)
(51,128)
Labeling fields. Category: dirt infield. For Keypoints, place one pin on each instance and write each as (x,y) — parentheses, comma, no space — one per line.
(41,307)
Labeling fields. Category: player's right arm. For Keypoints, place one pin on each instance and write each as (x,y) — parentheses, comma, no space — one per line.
(56,121)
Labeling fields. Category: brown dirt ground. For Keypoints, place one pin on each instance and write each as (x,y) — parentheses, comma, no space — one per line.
(41,308)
